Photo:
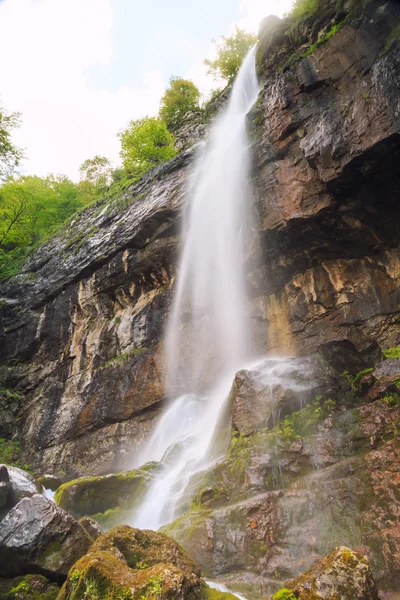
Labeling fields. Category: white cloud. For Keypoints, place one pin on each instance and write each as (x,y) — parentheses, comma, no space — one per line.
(48,45)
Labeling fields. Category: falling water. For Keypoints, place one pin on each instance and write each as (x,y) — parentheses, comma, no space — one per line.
(208,336)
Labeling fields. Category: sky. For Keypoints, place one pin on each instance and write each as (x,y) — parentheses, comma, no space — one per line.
(80,70)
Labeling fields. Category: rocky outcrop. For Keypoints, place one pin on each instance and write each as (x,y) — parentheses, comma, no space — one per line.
(343,573)
(263,395)
(38,537)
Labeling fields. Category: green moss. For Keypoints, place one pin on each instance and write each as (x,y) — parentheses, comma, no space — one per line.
(28,587)
(121,358)
(392,352)
(392,399)
(334,29)
(103,497)
(391,39)
(284,594)
(10,453)
(53,548)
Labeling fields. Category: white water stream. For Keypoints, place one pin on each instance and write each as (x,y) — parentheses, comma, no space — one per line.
(208,335)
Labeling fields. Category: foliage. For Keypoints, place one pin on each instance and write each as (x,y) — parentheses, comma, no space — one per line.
(334,29)
(97,170)
(10,155)
(181,97)
(392,352)
(121,358)
(10,454)
(303,8)
(154,588)
(145,143)
(392,37)
(31,209)
(95,176)
(392,399)
(303,422)
(230,53)
(284,594)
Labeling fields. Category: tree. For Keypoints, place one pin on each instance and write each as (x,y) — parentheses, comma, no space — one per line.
(31,207)
(97,170)
(145,143)
(10,155)
(181,97)
(231,51)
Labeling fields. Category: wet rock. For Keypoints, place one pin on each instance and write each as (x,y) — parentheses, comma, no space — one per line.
(380,390)
(134,563)
(273,389)
(94,495)
(37,536)
(4,485)
(50,481)
(28,587)
(91,527)
(22,485)
(343,573)
(388,372)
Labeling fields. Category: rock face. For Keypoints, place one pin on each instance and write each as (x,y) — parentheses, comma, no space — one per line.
(130,563)
(38,537)
(82,328)
(344,573)
(279,502)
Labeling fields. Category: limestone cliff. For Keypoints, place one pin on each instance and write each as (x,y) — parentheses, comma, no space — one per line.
(82,326)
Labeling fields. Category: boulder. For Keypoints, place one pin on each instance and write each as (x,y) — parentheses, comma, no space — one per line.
(15,484)
(91,527)
(388,372)
(97,495)
(273,389)
(38,536)
(28,587)
(22,485)
(129,563)
(343,574)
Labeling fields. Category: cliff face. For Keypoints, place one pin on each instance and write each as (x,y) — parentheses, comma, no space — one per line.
(82,327)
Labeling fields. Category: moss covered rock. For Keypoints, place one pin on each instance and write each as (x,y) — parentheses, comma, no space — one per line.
(94,496)
(343,574)
(28,587)
(127,563)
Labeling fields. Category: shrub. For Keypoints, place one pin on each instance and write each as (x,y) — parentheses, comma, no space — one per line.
(181,97)
(145,143)
(231,51)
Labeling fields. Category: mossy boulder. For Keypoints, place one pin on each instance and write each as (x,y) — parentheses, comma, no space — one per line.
(28,587)
(127,563)
(94,496)
(343,574)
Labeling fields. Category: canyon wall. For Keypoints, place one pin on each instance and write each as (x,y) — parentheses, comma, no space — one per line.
(82,327)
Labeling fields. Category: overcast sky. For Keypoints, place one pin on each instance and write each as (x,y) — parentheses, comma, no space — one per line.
(80,70)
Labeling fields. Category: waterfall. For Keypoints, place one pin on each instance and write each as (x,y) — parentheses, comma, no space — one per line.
(208,334)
